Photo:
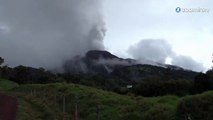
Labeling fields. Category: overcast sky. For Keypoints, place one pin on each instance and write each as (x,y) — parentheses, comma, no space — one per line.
(45,33)
(189,34)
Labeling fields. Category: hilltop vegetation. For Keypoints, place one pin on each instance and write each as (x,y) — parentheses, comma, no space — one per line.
(152,86)
(45,102)
(6,84)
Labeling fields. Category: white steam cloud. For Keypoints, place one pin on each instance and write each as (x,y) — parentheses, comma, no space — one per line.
(187,62)
(152,51)
(44,33)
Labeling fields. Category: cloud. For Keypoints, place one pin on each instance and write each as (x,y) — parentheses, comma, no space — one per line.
(44,33)
(152,51)
(187,62)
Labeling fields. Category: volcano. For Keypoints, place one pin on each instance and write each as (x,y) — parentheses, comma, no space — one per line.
(104,63)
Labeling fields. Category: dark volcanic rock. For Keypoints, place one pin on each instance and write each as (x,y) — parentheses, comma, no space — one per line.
(96,54)
(96,62)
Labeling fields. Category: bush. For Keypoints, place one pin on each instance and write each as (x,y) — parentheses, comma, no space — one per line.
(1,60)
(7,85)
(202,83)
(160,112)
(199,107)
(132,116)
(156,87)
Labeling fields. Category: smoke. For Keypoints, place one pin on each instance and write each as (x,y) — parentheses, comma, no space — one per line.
(44,33)
(152,51)
(115,61)
(187,62)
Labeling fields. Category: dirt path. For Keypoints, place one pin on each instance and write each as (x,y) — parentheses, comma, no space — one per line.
(8,107)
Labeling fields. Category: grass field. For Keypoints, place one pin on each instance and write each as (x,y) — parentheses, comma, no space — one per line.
(6,84)
(57,101)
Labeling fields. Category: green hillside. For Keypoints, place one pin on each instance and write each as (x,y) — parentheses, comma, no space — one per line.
(45,102)
(6,84)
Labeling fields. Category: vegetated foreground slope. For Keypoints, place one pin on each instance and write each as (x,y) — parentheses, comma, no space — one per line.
(46,102)
(61,100)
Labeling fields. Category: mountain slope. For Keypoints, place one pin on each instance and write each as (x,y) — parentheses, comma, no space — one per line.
(142,72)
(96,62)
(105,63)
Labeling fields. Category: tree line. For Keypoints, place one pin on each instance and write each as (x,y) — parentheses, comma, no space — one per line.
(153,86)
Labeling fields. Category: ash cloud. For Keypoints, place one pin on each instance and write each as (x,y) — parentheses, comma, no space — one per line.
(153,51)
(44,33)
(150,50)
(115,61)
(187,62)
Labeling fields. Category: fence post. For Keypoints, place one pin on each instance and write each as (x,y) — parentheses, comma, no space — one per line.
(64,108)
(76,108)
(98,112)
(64,104)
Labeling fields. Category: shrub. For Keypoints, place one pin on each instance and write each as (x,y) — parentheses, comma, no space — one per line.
(155,87)
(198,107)
(1,60)
(202,83)
(160,112)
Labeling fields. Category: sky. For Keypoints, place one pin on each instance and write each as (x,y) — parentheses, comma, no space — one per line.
(189,34)
(46,33)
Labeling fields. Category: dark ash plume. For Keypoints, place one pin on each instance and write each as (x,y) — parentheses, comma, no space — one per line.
(44,33)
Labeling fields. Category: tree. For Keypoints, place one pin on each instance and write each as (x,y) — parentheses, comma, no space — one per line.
(1,60)
(202,83)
